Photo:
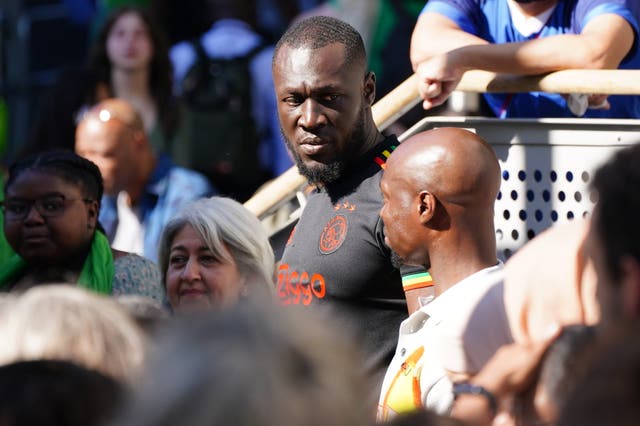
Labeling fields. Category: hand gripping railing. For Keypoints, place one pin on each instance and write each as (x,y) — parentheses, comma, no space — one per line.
(397,102)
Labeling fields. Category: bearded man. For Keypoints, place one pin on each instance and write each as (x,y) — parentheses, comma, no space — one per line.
(336,258)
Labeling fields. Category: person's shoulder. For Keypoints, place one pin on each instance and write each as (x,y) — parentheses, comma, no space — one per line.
(137,275)
(182,178)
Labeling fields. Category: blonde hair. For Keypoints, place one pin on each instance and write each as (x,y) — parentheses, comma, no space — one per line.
(68,323)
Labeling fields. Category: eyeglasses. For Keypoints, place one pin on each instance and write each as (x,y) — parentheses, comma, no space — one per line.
(49,206)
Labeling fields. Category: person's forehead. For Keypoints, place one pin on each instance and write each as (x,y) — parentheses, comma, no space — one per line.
(96,134)
(34,183)
(327,61)
(129,19)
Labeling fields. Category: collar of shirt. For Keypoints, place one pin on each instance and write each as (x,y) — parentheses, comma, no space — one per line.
(439,306)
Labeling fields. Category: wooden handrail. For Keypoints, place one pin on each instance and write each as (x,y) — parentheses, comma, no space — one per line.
(405,96)
(610,82)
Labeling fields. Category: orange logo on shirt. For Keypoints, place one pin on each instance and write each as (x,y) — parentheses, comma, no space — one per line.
(295,288)
(333,234)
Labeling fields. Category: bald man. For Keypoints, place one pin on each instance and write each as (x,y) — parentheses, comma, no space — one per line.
(143,190)
(439,189)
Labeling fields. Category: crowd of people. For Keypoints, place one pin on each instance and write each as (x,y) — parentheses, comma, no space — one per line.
(137,290)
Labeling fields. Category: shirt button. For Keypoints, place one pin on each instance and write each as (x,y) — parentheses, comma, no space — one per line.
(403,351)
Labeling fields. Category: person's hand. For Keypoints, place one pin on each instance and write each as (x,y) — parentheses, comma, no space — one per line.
(513,367)
(578,103)
(437,78)
(599,102)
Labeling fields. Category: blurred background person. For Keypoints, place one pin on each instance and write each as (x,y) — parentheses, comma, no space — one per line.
(213,254)
(143,189)
(130,60)
(229,129)
(56,393)
(63,322)
(254,364)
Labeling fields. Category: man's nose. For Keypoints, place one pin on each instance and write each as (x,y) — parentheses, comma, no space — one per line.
(312,115)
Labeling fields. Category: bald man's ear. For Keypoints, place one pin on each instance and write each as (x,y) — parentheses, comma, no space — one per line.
(370,87)
(427,206)
(140,139)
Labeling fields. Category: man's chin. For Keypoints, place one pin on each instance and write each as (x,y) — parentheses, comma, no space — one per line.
(398,261)
(316,172)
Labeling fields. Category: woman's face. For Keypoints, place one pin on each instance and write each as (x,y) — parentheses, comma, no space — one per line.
(195,279)
(46,219)
(129,45)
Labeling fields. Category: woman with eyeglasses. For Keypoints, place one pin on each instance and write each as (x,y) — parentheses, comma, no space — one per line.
(51,206)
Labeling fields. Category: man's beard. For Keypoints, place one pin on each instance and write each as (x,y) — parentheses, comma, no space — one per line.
(396,260)
(333,171)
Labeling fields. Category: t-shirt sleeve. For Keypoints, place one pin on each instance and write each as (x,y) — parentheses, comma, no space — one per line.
(463,13)
(629,10)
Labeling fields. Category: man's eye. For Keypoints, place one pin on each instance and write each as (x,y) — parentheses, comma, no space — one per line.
(330,98)
(293,100)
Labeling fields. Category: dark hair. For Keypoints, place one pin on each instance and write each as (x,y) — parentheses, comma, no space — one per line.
(160,68)
(51,393)
(65,164)
(617,183)
(608,392)
(563,364)
(320,31)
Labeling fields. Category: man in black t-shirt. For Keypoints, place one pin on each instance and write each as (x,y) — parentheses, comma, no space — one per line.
(336,258)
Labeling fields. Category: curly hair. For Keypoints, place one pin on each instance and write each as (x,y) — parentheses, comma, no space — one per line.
(319,31)
(160,68)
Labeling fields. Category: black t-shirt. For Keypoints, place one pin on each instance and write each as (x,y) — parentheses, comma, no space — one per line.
(336,259)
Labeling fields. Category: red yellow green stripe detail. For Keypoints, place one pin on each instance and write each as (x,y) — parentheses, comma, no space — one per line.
(417,280)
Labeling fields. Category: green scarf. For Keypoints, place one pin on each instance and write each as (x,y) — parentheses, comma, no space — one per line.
(97,272)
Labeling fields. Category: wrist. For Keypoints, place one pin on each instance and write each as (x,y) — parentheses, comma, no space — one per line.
(469,389)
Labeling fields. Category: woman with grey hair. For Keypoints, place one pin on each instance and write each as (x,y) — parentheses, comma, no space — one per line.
(214,253)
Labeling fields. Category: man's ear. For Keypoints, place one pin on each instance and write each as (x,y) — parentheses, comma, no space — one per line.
(140,139)
(370,87)
(426,206)
(630,285)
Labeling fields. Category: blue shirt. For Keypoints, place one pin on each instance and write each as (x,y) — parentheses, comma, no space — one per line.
(169,188)
(231,38)
(491,21)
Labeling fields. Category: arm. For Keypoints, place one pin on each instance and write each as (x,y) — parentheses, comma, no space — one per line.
(511,370)
(435,34)
(603,44)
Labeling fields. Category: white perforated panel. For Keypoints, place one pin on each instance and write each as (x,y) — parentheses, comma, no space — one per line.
(546,168)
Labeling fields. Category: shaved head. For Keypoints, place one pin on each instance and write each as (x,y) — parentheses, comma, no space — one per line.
(111,135)
(440,185)
(455,164)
